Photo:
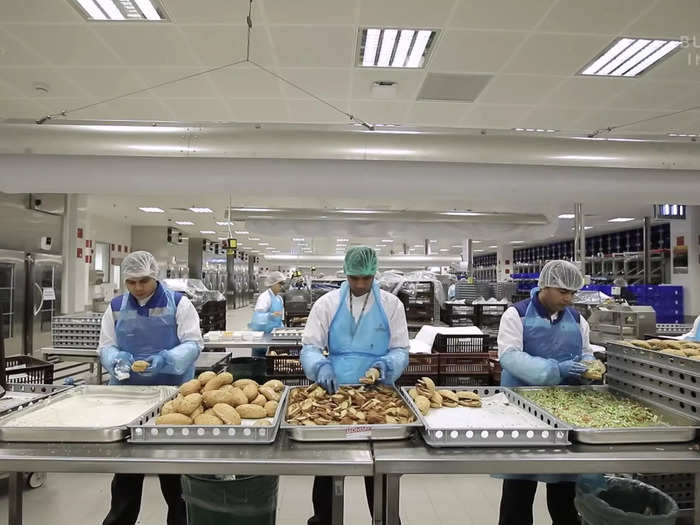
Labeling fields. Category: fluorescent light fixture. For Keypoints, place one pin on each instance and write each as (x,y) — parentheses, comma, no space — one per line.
(253,209)
(111,9)
(683,135)
(444,250)
(119,10)
(621,219)
(184,223)
(269,247)
(94,12)
(567,216)
(516,242)
(225,239)
(433,241)
(360,212)
(463,213)
(263,244)
(380,245)
(476,242)
(207,232)
(253,238)
(148,10)
(151,209)
(456,245)
(630,57)
(194,209)
(342,240)
(493,246)
(224,223)
(387,240)
(536,130)
(478,251)
(390,47)
(585,228)
(417,245)
(241,232)
(298,239)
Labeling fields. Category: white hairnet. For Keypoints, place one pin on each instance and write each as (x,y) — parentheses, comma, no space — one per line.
(139,264)
(274,278)
(560,274)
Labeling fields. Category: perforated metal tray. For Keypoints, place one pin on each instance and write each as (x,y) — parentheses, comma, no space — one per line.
(20,396)
(148,432)
(681,428)
(554,435)
(350,432)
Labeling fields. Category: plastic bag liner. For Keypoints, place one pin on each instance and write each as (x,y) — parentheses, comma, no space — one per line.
(625,501)
(245,500)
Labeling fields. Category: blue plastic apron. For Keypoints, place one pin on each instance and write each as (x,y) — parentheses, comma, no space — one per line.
(354,346)
(147,335)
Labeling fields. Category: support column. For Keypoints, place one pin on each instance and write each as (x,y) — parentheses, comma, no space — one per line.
(74,288)
(468,256)
(504,262)
(646,242)
(579,238)
(427,246)
(685,238)
(195,257)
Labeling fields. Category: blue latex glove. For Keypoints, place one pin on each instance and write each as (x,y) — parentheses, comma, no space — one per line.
(110,355)
(383,371)
(530,369)
(571,369)
(326,378)
(157,363)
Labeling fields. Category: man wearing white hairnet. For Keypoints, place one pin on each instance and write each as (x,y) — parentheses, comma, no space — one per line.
(269,309)
(543,341)
(153,324)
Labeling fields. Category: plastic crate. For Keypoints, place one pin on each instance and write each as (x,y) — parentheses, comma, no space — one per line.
(294,381)
(464,364)
(28,369)
(423,365)
(279,366)
(460,343)
(470,380)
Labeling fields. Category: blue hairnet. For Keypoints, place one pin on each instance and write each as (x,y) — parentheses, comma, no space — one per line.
(139,264)
(561,274)
(360,260)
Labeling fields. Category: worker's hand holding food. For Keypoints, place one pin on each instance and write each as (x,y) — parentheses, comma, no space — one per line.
(326,378)
(571,369)
(156,364)
(140,366)
(371,376)
(594,369)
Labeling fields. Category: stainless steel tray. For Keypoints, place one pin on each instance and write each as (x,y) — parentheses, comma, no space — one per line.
(147,431)
(152,396)
(291,334)
(350,432)
(22,395)
(555,435)
(682,428)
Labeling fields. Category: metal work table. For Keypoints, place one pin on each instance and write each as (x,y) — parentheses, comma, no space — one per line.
(394,458)
(267,342)
(284,457)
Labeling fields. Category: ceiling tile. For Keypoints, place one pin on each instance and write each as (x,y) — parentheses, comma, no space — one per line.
(246,82)
(518,89)
(550,54)
(399,13)
(323,83)
(308,12)
(473,51)
(587,91)
(65,45)
(499,14)
(495,116)
(551,117)
(23,78)
(312,111)
(127,109)
(680,123)
(199,110)
(409,81)
(260,110)
(21,108)
(147,45)
(197,87)
(683,65)
(592,16)
(104,82)
(380,112)
(647,94)
(215,12)
(30,11)
(13,53)
(321,46)
(9,91)
(437,113)
(670,19)
(601,119)
(218,45)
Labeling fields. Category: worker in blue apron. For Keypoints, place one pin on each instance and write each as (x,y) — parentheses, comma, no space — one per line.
(362,327)
(153,324)
(269,308)
(694,334)
(542,341)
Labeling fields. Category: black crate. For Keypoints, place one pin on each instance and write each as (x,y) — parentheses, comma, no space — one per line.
(464,364)
(460,343)
(294,381)
(280,366)
(28,369)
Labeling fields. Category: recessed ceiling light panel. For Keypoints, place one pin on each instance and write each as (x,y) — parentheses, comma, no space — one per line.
(151,209)
(391,47)
(120,10)
(630,57)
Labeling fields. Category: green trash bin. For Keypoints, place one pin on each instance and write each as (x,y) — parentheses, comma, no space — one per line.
(253,368)
(625,501)
(245,500)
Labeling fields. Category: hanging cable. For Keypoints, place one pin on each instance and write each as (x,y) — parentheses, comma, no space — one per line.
(610,129)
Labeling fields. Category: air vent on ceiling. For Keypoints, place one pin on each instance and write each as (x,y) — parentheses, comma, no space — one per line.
(453,87)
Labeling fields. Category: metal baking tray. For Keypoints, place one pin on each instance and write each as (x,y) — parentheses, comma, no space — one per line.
(146,431)
(682,427)
(152,396)
(555,434)
(22,395)
(374,432)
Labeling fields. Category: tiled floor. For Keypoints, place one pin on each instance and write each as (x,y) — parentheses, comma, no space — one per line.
(425,500)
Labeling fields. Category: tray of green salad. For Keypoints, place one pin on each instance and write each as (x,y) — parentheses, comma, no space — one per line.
(600,414)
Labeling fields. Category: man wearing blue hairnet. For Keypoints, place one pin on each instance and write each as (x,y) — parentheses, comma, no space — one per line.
(153,324)
(362,327)
(542,341)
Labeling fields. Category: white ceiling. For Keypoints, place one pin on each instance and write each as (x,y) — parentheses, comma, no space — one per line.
(533,48)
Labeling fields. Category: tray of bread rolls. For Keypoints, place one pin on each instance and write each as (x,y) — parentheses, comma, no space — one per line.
(215,408)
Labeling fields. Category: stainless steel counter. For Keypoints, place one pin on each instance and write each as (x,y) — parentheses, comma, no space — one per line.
(392,459)
(284,457)
(266,342)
